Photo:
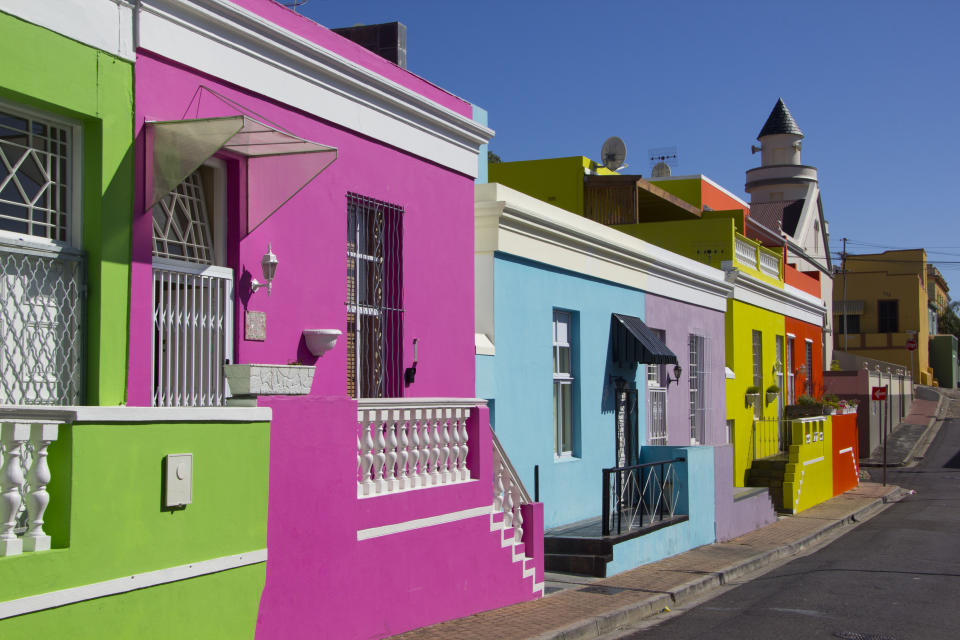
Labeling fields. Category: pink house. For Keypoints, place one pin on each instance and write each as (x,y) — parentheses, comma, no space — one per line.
(271,151)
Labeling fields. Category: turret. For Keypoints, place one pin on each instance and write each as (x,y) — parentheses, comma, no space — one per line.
(780,176)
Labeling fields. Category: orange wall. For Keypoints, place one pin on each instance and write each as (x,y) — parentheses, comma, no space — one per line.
(845,472)
(717,200)
(803,331)
(802,281)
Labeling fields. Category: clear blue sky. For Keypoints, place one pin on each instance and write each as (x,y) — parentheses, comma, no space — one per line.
(874,86)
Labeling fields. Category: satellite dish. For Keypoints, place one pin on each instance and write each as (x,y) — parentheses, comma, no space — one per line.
(613,153)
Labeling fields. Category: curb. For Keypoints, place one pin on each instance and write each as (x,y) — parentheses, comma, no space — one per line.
(605,623)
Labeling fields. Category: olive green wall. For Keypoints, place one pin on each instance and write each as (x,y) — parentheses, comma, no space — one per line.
(47,71)
(556,181)
(107,521)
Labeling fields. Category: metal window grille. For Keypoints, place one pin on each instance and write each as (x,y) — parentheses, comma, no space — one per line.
(192,335)
(808,383)
(41,320)
(181,225)
(779,372)
(791,379)
(192,302)
(35,185)
(758,372)
(698,372)
(374,298)
(657,399)
(562,383)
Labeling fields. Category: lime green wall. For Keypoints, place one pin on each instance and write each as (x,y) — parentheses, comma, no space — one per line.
(216,606)
(106,519)
(808,479)
(557,181)
(53,73)
(709,241)
(687,190)
(741,320)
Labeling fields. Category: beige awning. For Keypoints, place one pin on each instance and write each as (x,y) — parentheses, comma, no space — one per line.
(849,307)
(180,147)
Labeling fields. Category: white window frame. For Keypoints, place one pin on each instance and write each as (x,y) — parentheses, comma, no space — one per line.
(757,351)
(75,158)
(561,379)
(698,378)
(791,374)
(656,393)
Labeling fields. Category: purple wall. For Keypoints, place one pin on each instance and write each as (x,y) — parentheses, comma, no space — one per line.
(736,517)
(320,577)
(678,320)
(308,234)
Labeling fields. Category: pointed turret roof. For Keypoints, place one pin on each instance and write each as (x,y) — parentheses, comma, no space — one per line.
(780,121)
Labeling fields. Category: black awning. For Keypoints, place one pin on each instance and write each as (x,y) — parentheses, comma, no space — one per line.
(635,342)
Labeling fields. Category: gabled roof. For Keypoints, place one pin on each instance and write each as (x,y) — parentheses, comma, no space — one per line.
(781,214)
(780,121)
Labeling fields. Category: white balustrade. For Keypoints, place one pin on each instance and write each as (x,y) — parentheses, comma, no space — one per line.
(509,494)
(745,251)
(410,443)
(769,264)
(24,476)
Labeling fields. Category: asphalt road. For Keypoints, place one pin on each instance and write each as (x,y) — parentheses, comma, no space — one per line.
(895,577)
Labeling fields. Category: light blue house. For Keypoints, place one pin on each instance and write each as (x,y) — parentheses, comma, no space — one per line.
(569,367)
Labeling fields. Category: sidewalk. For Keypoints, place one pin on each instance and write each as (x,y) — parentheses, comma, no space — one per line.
(909,440)
(600,606)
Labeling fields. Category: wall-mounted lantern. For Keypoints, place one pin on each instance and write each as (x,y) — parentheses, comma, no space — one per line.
(677,370)
(410,374)
(268,265)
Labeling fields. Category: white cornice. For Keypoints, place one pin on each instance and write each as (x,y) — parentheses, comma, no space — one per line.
(120,414)
(239,46)
(102,24)
(511,222)
(791,302)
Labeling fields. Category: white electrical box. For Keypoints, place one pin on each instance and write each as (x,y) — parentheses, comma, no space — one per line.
(179,480)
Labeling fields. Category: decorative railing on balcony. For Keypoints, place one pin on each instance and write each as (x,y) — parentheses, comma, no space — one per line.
(411,443)
(745,251)
(192,333)
(769,264)
(771,436)
(508,491)
(24,476)
(639,495)
(41,320)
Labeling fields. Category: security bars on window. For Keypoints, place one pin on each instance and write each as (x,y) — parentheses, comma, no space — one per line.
(697,377)
(374,298)
(41,320)
(758,373)
(192,302)
(34,177)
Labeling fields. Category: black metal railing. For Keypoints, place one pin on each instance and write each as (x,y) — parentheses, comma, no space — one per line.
(639,495)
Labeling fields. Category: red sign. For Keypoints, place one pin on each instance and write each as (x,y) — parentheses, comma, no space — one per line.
(879,393)
(912,344)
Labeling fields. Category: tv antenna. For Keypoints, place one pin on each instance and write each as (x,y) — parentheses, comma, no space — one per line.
(294,4)
(662,161)
(613,153)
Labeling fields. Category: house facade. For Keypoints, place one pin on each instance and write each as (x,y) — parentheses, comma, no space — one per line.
(271,231)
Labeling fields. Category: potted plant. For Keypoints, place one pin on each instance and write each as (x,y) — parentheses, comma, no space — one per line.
(753,392)
(772,392)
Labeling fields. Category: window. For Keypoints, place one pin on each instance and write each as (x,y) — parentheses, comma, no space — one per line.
(657,400)
(696,375)
(562,384)
(791,375)
(758,372)
(808,383)
(374,298)
(192,292)
(852,323)
(779,372)
(36,176)
(887,316)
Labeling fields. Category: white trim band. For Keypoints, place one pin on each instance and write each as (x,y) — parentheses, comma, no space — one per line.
(847,450)
(422,523)
(106,414)
(806,462)
(52,599)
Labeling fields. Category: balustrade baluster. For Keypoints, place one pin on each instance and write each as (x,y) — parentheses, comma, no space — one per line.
(436,416)
(443,429)
(455,445)
(390,468)
(497,483)
(366,461)
(41,435)
(507,501)
(517,516)
(13,435)
(402,453)
(462,458)
(413,476)
(427,442)
(380,456)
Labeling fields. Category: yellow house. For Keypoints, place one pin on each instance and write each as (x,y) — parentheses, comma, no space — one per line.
(885,298)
